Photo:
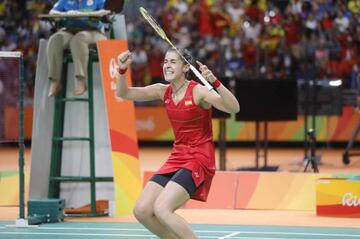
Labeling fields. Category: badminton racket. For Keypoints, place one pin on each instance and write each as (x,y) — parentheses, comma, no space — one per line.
(162,34)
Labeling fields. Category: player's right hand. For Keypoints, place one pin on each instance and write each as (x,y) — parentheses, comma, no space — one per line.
(124,59)
(206,73)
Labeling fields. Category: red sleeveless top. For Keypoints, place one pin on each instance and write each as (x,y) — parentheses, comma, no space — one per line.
(193,147)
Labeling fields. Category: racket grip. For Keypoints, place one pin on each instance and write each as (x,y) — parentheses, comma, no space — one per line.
(201,78)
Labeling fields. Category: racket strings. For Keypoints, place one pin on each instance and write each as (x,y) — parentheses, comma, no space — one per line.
(153,23)
(159,30)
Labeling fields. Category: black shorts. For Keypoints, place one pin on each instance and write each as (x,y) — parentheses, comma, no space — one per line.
(182,177)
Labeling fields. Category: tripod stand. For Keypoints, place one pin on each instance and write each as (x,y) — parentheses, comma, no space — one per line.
(310,107)
(347,153)
(312,158)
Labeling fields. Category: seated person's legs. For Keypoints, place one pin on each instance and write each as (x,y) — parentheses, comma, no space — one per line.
(79,46)
(55,47)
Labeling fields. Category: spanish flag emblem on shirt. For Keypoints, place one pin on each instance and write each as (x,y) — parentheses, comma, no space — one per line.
(188,102)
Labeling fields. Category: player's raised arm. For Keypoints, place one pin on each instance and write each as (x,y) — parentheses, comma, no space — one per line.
(147,93)
(223,99)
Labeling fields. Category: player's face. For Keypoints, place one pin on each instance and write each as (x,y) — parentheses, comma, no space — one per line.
(173,66)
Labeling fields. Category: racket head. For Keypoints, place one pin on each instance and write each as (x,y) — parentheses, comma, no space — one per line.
(153,23)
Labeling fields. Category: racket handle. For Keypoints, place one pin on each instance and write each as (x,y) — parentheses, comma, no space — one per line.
(201,78)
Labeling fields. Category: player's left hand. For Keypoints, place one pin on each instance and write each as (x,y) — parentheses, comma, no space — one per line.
(206,73)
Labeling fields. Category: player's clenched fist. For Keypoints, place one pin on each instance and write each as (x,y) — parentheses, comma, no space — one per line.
(124,59)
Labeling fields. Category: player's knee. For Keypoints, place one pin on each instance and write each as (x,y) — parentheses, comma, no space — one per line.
(161,211)
(142,212)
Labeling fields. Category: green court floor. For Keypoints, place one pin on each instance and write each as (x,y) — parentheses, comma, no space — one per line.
(92,230)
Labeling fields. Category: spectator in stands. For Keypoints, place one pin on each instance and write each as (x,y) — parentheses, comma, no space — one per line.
(311,25)
(321,55)
(155,64)
(220,19)
(139,66)
(254,11)
(77,34)
(341,21)
(355,81)
(333,67)
(354,6)
(249,56)
(2,100)
(292,28)
(235,9)
(204,19)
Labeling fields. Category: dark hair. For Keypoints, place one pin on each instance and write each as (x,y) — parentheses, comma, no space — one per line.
(186,53)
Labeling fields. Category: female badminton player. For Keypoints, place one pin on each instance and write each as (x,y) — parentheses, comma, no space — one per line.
(188,171)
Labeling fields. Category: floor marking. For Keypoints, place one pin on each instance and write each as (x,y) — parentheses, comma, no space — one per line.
(302,233)
(230,235)
(262,238)
(100,235)
(152,236)
(205,231)
(77,234)
(124,235)
(93,229)
(208,231)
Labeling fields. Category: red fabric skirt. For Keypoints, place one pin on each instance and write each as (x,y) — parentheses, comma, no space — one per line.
(200,160)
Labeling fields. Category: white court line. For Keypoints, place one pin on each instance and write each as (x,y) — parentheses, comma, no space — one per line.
(247,237)
(94,228)
(120,235)
(208,231)
(230,235)
(203,231)
(262,238)
(302,234)
(77,234)
(96,235)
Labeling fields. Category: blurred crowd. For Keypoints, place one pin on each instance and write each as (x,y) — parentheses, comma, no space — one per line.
(260,39)
(274,39)
(21,30)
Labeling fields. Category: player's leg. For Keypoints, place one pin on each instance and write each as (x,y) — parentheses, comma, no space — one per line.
(79,46)
(55,51)
(144,209)
(175,194)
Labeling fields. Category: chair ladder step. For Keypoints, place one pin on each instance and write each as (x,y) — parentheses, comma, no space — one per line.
(81,179)
(71,139)
(72,99)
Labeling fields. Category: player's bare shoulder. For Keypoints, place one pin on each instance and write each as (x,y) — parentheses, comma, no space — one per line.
(160,89)
(199,94)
